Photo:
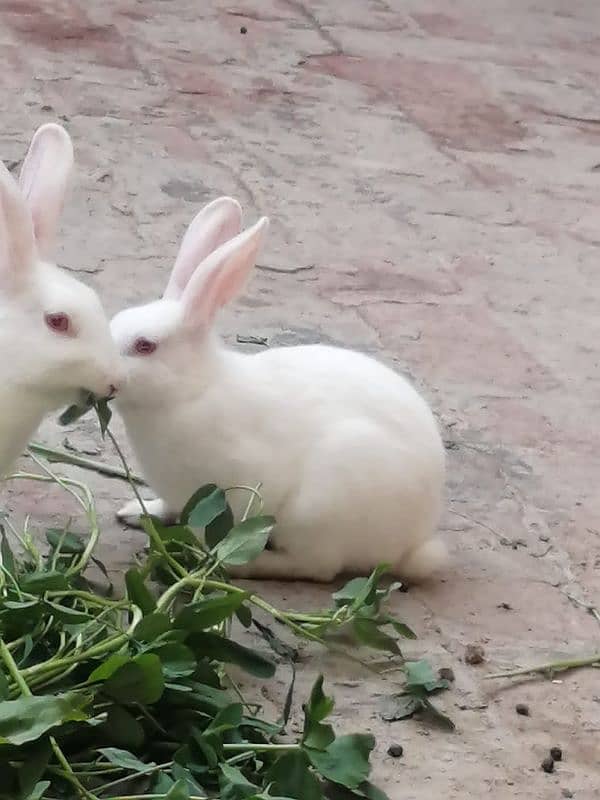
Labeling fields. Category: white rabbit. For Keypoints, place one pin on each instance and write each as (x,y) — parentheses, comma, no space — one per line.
(348,454)
(54,336)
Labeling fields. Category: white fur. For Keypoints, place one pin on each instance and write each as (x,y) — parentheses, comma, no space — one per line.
(40,370)
(348,454)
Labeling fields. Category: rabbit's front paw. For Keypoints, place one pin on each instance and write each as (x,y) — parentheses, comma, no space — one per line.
(131,513)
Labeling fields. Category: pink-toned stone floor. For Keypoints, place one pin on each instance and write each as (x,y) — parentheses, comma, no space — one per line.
(432,170)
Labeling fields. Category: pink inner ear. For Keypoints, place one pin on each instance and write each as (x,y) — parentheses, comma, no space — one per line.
(37,227)
(220,285)
(29,170)
(205,305)
(221,277)
(227,284)
(27,180)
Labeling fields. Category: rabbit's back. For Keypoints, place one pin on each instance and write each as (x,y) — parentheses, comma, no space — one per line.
(324,384)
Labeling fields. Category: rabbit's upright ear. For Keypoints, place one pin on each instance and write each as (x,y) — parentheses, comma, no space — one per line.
(222,275)
(218,222)
(16,234)
(43,180)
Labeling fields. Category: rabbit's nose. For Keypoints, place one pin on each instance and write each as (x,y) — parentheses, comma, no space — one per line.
(112,391)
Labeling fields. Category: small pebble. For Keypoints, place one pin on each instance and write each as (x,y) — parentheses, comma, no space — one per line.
(505,606)
(556,753)
(395,750)
(567,793)
(243,29)
(548,764)
(522,709)
(446,674)
(474,654)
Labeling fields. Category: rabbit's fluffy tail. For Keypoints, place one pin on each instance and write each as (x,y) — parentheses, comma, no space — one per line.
(425,559)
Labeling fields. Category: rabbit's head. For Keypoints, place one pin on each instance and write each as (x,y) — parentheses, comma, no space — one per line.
(54,335)
(168,346)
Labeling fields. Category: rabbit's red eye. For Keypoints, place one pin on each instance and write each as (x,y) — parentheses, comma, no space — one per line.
(58,322)
(144,347)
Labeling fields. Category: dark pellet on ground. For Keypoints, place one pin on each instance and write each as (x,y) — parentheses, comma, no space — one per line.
(522,709)
(505,606)
(474,654)
(395,750)
(243,29)
(556,753)
(446,674)
(567,793)
(548,764)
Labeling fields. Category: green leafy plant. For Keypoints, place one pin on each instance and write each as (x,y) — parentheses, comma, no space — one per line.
(421,684)
(119,698)
(109,698)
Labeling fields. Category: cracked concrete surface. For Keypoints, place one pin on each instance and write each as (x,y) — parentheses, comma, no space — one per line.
(432,169)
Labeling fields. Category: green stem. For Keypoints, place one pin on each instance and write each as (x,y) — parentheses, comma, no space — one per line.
(151,797)
(259,748)
(188,580)
(280,616)
(88,506)
(54,677)
(114,643)
(264,606)
(154,722)
(60,457)
(129,476)
(91,773)
(16,587)
(309,618)
(160,546)
(239,758)
(550,668)
(95,599)
(13,669)
(93,652)
(133,775)
(69,774)
(193,580)
(149,526)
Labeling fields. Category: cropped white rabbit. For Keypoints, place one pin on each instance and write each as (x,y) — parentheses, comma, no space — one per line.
(348,454)
(54,336)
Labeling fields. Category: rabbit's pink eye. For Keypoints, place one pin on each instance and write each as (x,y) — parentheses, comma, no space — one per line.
(143,347)
(58,322)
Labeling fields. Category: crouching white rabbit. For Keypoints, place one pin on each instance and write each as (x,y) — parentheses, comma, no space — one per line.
(348,454)
(54,336)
